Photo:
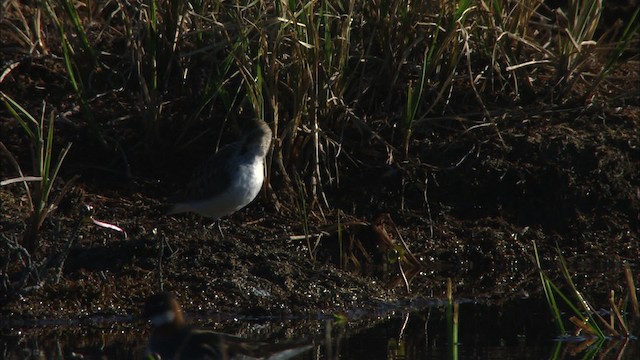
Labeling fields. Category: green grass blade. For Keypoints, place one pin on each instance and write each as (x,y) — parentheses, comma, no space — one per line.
(73,15)
(15,109)
(548,292)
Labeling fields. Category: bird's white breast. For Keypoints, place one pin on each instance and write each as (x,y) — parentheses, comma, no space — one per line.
(244,187)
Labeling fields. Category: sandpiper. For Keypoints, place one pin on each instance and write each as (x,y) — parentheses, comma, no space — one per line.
(172,338)
(230,179)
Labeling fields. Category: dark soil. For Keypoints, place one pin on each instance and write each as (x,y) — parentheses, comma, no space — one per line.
(468,200)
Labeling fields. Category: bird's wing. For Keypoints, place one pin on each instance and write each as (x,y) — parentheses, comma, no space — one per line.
(212,177)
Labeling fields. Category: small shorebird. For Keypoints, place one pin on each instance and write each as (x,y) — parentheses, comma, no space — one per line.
(172,338)
(230,179)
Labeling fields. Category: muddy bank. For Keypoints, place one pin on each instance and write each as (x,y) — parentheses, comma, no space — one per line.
(468,200)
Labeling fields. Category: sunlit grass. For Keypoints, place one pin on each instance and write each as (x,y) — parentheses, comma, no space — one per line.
(314,70)
(577,48)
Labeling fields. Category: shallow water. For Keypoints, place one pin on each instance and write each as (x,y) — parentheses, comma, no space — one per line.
(519,329)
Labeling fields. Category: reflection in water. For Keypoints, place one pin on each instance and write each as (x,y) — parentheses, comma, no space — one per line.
(517,330)
(172,338)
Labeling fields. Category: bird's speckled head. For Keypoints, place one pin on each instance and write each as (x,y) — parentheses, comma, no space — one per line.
(163,309)
(257,139)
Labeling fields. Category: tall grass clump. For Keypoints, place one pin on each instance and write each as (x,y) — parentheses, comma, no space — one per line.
(447,41)
(45,169)
(317,61)
(577,49)
(78,53)
(505,36)
(28,261)
(157,32)
(557,48)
